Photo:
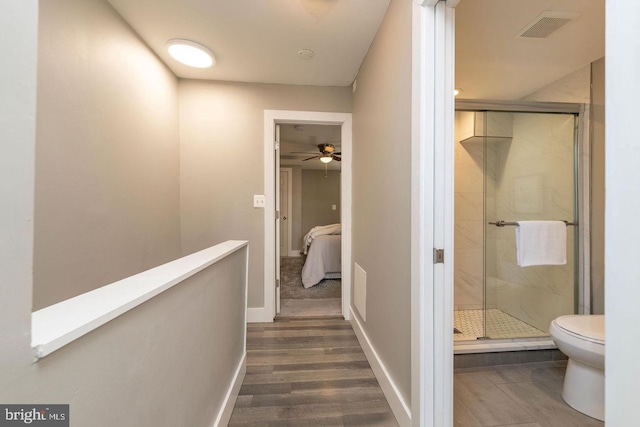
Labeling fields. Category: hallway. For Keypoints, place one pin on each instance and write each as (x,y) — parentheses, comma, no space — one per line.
(308,372)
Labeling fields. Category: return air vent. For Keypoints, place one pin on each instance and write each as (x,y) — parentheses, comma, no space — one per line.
(547,23)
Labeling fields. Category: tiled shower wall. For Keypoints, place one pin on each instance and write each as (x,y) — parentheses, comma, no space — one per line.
(468,211)
(534,181)
(470,189)
(531,293)
(529,175)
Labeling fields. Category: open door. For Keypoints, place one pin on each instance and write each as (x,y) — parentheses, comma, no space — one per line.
(285,207)
(276,152)
(432,227)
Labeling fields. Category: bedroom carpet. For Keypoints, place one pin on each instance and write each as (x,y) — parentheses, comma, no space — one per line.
(291,282)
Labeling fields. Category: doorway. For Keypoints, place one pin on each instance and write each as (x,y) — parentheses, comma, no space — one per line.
(275,213)
(310,160)
(521,154)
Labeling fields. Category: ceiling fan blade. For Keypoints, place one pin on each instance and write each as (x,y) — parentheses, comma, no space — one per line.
(310,158)
(302,152)
(336,158)
(338,153)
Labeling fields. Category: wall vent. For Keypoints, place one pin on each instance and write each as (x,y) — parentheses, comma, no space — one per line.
(547,23)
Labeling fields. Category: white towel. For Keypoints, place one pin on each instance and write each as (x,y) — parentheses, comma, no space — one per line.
(541,243)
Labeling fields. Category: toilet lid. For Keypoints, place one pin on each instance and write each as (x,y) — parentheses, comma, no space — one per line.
(590,327)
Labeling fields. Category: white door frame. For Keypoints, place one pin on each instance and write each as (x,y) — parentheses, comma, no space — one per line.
(432,213)
(275,154)
(289,210)
(271,118)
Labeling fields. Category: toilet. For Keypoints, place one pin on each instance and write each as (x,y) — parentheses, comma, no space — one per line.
(581,338)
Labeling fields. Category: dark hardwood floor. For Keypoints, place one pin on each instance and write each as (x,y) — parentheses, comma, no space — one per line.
(308,372)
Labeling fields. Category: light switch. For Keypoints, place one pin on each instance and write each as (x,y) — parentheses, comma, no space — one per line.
(333,207)
(258,201)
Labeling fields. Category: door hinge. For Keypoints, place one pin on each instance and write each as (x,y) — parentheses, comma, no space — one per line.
(276,145)
(438,256)
(277,283)
(277,215)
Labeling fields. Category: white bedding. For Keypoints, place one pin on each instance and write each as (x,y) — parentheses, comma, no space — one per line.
(324,260)
(320,230)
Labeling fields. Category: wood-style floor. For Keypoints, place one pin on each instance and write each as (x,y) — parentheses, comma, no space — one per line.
(312,372)
(308,372)
(523,395)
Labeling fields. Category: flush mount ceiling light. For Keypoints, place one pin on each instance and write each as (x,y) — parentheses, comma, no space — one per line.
(191,53)
(306,54)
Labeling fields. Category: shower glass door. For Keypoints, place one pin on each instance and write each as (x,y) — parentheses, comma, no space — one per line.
(529,174)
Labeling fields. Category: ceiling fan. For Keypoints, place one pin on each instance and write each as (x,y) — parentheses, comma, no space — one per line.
(327,154)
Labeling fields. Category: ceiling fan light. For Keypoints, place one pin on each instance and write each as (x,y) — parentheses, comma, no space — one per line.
(326,159)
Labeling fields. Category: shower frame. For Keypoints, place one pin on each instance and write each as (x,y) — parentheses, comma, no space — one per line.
(582,166)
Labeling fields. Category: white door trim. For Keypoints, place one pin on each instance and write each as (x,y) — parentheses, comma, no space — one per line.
(432,214)
(275,155)
(289,172)
(271,118)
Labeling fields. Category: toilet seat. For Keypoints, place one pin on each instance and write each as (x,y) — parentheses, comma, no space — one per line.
(589,328)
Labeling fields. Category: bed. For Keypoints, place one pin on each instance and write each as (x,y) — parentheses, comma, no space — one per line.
(324,255)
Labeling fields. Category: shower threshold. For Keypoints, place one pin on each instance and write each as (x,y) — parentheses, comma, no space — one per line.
(510,334)
(501,345)
(471,324)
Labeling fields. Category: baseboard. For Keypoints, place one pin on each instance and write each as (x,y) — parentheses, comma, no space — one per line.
(294,254)
(232,394)
(257,315)
(396,402)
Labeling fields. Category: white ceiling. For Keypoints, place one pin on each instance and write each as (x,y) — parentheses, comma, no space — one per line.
(259,40)
(491,63)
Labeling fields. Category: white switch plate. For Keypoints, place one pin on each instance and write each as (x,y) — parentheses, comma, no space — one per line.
(258,201)
(333,207)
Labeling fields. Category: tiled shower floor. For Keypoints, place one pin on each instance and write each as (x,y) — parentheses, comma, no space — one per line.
(499,325)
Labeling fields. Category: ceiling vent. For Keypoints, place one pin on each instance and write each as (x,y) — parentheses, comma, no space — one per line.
(547,23)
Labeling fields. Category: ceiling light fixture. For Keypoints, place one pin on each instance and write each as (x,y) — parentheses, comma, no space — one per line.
(457,91)
(326,159)
(306,54)
(191,53)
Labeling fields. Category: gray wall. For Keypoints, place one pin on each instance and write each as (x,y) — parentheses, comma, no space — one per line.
(222,150)
(168,362)
(107,164)
(18,42)
(319,193)
(382,190)
(597,186)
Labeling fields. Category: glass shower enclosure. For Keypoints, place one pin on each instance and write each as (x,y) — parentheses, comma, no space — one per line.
(512,166)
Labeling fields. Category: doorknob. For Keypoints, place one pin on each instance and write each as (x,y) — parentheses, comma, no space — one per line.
(284,218)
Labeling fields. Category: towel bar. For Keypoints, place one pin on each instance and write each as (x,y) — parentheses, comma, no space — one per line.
(506,223)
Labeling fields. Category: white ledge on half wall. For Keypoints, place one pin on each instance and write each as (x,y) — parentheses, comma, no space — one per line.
(57,325)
